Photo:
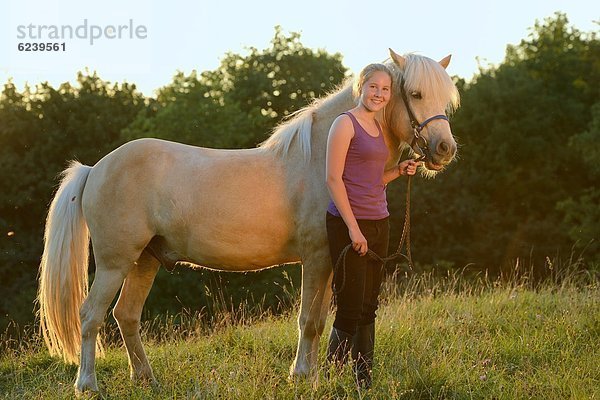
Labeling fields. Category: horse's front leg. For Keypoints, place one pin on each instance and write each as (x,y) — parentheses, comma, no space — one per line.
(316,296)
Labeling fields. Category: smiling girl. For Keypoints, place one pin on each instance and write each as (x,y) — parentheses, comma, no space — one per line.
(358,214)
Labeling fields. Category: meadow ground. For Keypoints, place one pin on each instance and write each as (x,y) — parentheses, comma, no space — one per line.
(437,338)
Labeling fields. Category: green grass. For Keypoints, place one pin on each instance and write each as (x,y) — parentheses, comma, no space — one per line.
(436,339)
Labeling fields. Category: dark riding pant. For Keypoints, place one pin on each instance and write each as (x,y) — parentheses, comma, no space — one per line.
(358,283)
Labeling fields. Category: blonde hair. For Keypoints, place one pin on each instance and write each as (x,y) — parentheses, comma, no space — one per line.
(365,74)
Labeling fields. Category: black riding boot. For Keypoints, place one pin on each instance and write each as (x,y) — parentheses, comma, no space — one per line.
(362,354)
(339,347)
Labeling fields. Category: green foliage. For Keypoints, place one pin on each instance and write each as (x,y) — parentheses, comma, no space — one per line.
(499,202)
(238,104)
(40,131)
(185,112)
(582,212)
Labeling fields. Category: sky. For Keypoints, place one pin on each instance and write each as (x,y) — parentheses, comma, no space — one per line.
(147,42)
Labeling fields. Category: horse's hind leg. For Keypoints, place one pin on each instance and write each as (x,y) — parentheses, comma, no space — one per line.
(316,295)
(106,283)
(128,313)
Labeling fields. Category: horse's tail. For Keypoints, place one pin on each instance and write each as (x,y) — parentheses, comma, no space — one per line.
(63,278)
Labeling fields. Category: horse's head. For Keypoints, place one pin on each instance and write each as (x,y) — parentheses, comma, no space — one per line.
(416,114)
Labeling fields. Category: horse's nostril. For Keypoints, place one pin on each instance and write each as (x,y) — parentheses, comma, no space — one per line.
(445,149)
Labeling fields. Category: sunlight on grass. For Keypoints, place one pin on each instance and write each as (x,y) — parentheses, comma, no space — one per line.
(437,338)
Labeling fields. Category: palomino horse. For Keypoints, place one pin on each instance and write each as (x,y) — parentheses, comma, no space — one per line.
(234,210)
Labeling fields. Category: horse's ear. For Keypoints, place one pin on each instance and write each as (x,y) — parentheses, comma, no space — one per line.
(398,59)
(445,61)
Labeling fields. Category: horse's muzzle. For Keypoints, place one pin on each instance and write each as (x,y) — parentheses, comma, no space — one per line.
(443,154)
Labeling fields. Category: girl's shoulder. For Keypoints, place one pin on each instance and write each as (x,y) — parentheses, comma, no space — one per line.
(343,122)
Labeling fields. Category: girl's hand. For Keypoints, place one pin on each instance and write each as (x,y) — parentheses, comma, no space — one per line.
(359,242)
(408,167)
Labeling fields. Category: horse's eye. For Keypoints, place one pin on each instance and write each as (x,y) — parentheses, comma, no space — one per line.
(416,95)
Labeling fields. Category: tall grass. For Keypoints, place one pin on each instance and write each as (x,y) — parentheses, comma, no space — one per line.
(438,337)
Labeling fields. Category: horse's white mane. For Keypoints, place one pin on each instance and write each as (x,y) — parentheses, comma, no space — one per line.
(428,77)
(298,125)
(420,73)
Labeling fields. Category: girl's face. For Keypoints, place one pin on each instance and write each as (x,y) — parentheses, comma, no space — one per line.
(376,91)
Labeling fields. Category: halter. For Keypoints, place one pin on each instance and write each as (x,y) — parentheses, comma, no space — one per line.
(419,143)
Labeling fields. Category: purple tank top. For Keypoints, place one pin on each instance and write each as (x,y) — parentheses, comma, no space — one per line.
(363,174)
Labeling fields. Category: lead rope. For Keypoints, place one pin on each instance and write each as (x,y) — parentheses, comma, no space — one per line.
(340,265)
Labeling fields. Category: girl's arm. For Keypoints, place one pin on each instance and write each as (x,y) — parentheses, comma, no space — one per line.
(338,142)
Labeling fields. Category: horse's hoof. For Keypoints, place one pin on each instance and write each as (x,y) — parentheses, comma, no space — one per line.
(89,393)
(155,385)
(146,378)
(303,374)
(299,371)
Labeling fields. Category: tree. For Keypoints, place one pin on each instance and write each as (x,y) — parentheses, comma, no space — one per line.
(499,202)
(40,132)
(582,211)
(238,104)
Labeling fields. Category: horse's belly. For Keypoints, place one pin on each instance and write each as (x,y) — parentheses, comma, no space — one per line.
(231,244)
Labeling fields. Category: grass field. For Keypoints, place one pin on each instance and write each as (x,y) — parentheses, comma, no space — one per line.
(437,338)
